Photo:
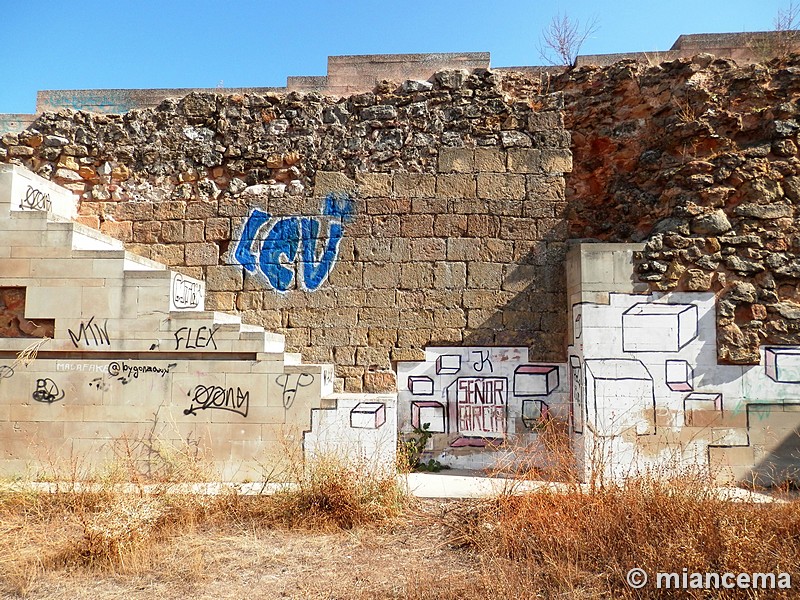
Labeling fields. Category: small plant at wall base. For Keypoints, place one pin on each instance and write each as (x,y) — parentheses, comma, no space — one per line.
(411,451)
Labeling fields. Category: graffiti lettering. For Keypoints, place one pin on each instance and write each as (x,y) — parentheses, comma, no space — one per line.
(186,293)
(125,372)
(99,335)
(202,338)
(35,200)
(6,372)
(483,360)
(81,367)
(292,239)
(215,397)
(291,383)
(47,391)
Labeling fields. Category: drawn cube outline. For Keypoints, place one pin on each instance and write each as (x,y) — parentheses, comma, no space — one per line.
(431,412)
(448,364)
(535,380)
(368,415)
(658,327)
(533,411)
(703,403)
(679,375)
(782,364)
(420,385)
(620,395)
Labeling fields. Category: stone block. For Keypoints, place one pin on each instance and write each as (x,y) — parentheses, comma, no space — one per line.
(414,185)
(483,226)
(120,230)
(518,228)
(456,160)
(501,186)
(217,228)
(224,278)
(146,232)
(201,210)
(332,181)
(246,301)
(450,225)
(202,254)
(220,300)
(416,226)
(416,275)
(388,206)
(490,160)
(347,275)
(463,249)
(194,230)
(372,249)
(169,254)
(450,275)
(541,121)
(484,275)
(433,206)
(172,232)
(164,211)
(382,275)
(371,185)
(385,226)
(427,249)
(556,161)
(456,185)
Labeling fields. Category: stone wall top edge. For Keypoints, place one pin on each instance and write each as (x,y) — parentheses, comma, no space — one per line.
(159,91)
(420,57)
(700,41)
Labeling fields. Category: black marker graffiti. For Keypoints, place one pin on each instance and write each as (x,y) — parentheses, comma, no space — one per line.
(47,391)
(35,200)
(215,397)
(483,360)
(6,372)
(185,293)
(202,337)
(100,384)
(90,328)
(125,372)
(292,383)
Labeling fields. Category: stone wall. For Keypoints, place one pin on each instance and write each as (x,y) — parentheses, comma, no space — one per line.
(698,157)
(363,228)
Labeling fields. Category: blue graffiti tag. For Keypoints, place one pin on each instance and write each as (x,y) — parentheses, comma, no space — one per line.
(290,238)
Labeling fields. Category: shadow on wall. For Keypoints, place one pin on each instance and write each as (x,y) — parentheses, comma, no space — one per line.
(533,314)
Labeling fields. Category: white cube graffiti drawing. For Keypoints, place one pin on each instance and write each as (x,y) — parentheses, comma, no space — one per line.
(475,399)
(658,327)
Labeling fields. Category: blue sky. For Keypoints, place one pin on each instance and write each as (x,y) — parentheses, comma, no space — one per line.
(53,44)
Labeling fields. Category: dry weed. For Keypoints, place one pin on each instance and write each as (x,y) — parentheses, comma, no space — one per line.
(587,541)
(117,519)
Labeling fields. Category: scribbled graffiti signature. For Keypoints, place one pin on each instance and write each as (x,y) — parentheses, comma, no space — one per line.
(47,391)
(295,240)
(215,397)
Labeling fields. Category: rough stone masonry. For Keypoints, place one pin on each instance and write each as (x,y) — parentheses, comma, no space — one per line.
(363,228)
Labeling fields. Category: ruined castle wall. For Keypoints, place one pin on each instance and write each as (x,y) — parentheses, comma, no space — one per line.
(364,229)
(698,158)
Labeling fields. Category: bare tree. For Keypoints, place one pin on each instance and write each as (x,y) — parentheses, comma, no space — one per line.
(786,23)
(783,40)
(562,39)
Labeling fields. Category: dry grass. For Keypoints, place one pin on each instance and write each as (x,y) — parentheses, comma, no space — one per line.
(105,524)
(582,544)
(339,532)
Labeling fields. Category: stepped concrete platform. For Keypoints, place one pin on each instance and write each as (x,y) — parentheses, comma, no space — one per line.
(105,352)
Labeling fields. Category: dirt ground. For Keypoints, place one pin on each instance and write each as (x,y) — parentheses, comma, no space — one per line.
(413,557)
